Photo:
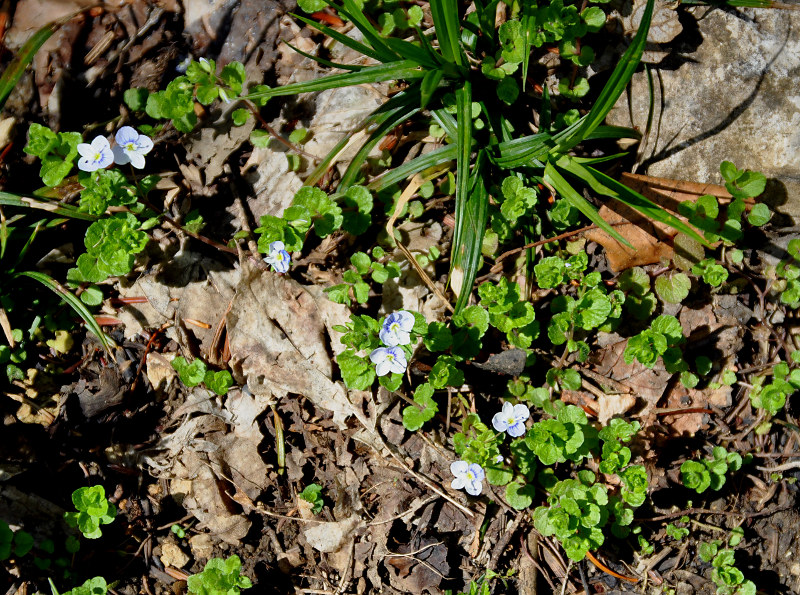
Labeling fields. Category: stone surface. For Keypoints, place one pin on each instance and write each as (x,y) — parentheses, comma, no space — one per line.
(734,96)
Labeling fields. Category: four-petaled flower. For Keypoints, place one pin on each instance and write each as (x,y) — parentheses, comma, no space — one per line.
(96,155)
(469,476)
(511,419)
(395,330)
(388,359)
(278,257)
(131,147)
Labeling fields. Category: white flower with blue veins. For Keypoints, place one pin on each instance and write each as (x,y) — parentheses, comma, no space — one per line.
(388,359)
(468,476)
(511,419)
(131,147)
(396,329)
(278,257)
(95,155)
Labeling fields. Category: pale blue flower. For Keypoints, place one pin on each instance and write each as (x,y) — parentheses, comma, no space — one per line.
(278,257)
(511,419)
(388,359)
(468,476)
(131,147)
(396,328)
(96,155)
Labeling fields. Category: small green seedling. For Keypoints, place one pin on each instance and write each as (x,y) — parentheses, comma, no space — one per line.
(313,495)
(219,577)
(192,374)
(93,586)
(710,473)
(179,531)
(17,543)
(93,510)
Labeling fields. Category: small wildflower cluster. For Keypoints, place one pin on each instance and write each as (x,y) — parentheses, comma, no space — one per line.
(131,147)
(469,476)
(278,258)
(395,332)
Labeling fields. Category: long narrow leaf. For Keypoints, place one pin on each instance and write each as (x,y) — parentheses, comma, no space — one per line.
(416,165)
(448,31)
(467,213)
(552,177)
(16,69)
(385,112)
(410,51)
(396,118)
(356,14)
(404,69)
(467,254)
(446,121)
(324,62)
(608,186)
(74,303)
(341,38)
(614,87)
(26,202)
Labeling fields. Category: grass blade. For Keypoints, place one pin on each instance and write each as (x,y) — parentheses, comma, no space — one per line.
(568,193)
(430,82)
(356,14)
(467,254)
(324,62)
(26,202)
(403,69)
(608,186)
(73,302)
(416,165)
(394,119)
(614,87)
(340,37)
(466,251)
(448,31)
(15,70)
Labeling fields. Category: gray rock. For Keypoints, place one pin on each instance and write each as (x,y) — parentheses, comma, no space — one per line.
(734,97)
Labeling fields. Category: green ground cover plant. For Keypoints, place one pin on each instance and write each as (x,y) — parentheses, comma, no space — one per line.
(580,480)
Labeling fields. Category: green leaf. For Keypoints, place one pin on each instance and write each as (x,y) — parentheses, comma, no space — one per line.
(759,215)
(358,372)
(520,495)
(136,99)
(616,84)
(191,374)
(16,68)
(313,493)
(561,186)
(673,288)
(219,381)
(74,303)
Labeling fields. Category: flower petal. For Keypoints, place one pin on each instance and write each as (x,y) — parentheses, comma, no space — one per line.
(144,145)
(387,337)
(86,150)
(474,487)
(499,422)
(521,412)
(383,368)
(125,135)
(87,164)
(99,143)
(406,320)
(459,482)
(378,355)
(137,160)
(120,156)
(106,158)
(459,468)
(516,430)
(277,246)
(477,471)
